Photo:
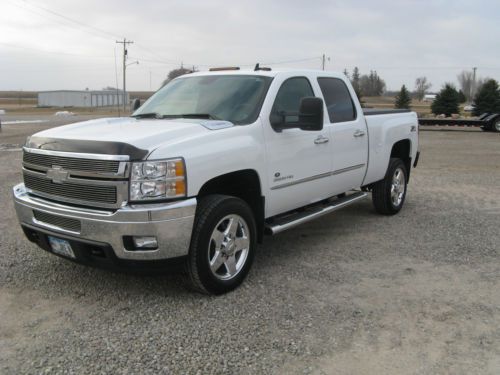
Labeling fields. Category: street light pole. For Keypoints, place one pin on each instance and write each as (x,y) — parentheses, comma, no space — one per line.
(473,86)
(124,42)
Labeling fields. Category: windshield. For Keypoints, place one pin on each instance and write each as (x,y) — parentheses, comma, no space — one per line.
(234,98)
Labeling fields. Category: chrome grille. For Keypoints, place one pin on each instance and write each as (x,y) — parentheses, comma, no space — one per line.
(90,193)
(92,180)
(73,225)
(75,164)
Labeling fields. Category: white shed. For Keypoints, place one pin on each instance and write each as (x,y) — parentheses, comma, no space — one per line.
(85,98)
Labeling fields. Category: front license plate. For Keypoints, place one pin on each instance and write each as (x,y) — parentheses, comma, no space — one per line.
(61,247)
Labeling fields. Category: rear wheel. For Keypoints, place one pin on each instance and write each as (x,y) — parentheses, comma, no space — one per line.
(222,245)
(496,126)
(388,195)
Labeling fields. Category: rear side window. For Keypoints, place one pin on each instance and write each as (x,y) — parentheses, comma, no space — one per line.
(337,99)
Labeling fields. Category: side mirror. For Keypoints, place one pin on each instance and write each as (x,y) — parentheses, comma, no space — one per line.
(311,114)
(309,117)
(136,103)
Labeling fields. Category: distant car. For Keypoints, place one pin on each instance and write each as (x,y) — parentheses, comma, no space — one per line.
(469,107)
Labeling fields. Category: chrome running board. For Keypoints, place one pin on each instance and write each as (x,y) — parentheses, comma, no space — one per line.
(282,223)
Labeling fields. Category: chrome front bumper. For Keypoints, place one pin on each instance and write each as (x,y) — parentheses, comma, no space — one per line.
(171,223)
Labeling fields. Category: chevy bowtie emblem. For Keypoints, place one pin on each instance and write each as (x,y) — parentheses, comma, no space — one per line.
(57,174)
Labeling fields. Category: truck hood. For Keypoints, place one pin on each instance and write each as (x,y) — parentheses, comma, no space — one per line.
(136,138)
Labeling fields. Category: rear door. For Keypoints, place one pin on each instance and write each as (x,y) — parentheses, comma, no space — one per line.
(348,134)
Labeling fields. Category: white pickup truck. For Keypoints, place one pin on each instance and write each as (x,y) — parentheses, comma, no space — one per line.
(209,165)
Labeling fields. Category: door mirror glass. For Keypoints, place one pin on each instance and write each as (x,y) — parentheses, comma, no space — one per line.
(309,117)
(311,114)
(136,104)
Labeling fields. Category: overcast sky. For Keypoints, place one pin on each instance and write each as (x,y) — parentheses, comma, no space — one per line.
(41,48)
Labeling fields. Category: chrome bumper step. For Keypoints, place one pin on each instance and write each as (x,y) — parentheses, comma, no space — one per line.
(282,223)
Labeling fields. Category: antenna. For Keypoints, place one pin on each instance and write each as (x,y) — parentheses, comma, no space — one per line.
(258,67)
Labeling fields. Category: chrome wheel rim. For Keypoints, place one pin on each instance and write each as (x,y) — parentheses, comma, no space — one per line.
(497,126)
(398,187)
(228,247)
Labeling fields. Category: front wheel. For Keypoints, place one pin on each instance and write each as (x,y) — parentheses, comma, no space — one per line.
(389,194)
(222,244)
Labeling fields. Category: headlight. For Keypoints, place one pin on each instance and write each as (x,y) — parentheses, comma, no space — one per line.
(161,179)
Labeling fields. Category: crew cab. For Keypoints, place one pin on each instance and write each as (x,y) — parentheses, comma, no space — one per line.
(207,167)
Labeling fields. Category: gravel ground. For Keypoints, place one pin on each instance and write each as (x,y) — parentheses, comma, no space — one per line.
(350,293)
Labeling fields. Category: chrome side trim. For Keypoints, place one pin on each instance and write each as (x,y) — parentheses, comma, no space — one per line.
(77,154)
(351,168)
(318,176)
(277,228)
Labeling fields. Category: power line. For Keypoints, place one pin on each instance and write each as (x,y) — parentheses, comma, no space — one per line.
(72,22)
(52,52)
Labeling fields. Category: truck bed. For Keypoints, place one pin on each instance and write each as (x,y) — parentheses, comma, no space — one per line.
(378,111)
(384,128)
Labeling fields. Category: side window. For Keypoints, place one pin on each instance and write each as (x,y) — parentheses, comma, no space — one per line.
(289,96)
(337,99)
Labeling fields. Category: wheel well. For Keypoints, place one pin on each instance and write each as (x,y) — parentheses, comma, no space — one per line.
(402,150)
(244,184)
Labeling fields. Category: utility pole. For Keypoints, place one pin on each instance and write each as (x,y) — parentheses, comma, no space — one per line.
(473,86)
(124,42)
(324,58)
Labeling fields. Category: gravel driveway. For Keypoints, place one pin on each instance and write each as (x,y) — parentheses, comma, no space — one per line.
(350,293)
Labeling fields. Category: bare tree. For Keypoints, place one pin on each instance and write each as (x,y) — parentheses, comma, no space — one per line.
(372,84)
(421,87)
(466,81)
(176,73)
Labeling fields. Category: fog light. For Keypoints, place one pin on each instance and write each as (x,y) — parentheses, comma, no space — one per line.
(145,242)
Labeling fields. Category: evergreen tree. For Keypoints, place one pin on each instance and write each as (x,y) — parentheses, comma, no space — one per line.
(355,82)
(403,99)
(461,97)
(487,99)
(446,101)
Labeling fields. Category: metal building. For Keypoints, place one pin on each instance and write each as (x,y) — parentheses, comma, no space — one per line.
(85,98)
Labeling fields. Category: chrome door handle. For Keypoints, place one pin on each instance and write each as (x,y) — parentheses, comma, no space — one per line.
(359,133)
(321,139)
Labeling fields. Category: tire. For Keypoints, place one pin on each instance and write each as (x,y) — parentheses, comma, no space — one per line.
(388,195)
(222,244)
(496,126)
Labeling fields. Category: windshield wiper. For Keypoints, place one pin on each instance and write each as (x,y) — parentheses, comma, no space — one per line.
(147,115)
(207,116)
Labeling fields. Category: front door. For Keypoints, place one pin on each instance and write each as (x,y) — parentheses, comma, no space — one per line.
(299,162)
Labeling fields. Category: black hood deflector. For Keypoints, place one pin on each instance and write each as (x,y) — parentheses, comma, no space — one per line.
(87,147)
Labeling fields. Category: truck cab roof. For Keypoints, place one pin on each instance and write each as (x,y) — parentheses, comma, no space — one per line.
(268,73)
